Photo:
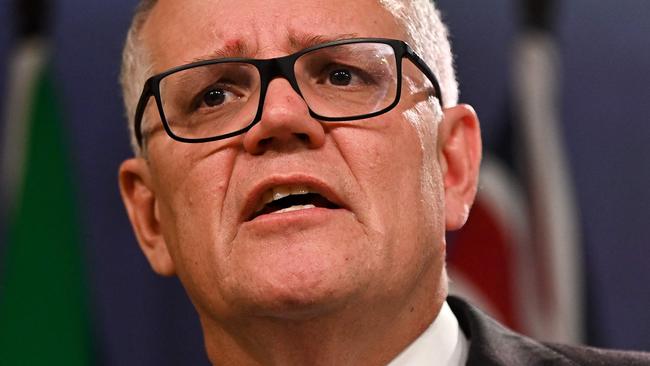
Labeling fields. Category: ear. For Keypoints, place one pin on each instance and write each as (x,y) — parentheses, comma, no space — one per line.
(459,154)
(142,207)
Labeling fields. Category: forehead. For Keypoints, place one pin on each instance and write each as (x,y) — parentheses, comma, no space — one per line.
(179,32)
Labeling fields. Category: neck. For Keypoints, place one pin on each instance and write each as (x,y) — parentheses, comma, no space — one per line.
(364,333)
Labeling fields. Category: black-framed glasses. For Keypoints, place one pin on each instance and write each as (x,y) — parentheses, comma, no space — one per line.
(343,80)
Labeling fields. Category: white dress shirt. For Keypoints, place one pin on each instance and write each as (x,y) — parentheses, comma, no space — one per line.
(442,344)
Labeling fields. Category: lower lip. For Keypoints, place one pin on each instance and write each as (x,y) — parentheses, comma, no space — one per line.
(307,214)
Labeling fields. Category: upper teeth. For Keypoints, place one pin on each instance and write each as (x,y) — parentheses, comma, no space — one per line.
(280,192)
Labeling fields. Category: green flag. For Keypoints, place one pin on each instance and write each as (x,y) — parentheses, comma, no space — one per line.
(43,307)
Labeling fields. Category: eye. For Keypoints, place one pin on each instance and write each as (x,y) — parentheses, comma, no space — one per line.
(215,97)
(340,77)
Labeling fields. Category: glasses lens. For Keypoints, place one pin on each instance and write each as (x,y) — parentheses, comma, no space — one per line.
(210,100)
(348,80)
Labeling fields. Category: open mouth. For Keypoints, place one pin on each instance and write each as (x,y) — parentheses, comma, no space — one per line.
(286,199)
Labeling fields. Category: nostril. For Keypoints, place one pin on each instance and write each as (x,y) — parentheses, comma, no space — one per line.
(302,137)
(265,142)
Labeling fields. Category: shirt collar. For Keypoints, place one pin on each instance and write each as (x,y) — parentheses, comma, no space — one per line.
(442,343)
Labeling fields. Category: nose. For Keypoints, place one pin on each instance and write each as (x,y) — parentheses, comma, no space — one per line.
(285,124)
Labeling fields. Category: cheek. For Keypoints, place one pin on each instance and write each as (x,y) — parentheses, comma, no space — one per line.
(425,117)
(394,170)
(190,193)
(397,177)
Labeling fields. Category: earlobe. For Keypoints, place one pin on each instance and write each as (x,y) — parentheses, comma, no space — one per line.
(142,208)
(459,153)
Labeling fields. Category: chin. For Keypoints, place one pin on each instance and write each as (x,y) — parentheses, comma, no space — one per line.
(301,287)
(301,304)
(299,272)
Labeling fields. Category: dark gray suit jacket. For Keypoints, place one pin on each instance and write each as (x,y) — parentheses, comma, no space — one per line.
(494,345)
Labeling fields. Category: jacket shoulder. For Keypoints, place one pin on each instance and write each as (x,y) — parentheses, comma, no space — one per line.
(597,356)
(491,344)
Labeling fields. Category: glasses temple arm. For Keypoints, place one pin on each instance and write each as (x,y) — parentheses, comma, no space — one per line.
(420,64)
(139,111)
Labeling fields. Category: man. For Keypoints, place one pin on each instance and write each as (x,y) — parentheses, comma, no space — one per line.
(297,165)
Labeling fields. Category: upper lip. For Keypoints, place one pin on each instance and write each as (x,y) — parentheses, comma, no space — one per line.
(254,197)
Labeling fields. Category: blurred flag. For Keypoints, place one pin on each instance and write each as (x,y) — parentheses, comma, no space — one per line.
(43,309)
(490,259)
(520,254)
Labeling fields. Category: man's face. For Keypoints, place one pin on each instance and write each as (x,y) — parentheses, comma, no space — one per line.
(380,235)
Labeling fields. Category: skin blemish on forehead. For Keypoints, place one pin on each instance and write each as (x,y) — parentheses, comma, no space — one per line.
(296,41)
(233,43)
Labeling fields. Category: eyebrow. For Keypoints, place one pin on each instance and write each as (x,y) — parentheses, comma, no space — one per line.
(232,49)
(296,42)
(299,41)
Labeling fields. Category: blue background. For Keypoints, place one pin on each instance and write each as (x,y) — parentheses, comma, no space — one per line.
(141,319)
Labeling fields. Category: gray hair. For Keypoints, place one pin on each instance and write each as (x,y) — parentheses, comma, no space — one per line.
(427,34)
(136,67)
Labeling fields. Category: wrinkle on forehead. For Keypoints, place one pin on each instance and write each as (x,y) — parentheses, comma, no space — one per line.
(231,48)
(242,33)
(298,40)
(295,41)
